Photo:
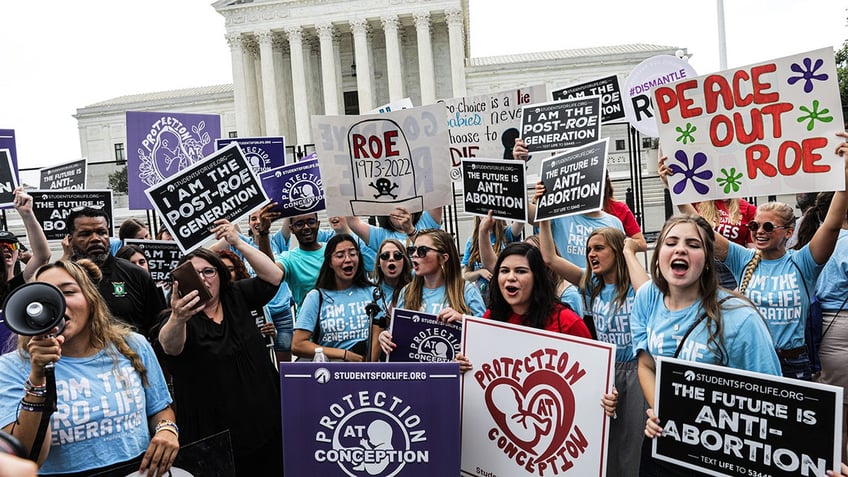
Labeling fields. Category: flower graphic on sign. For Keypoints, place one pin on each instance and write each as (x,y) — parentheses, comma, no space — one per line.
(814,114)
(730,180)
(808,73)
(171,149)
(686,134)
(698,161)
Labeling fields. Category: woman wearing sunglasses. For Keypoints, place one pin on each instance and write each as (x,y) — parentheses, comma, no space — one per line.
(778,281)
(438,287)
(394,271)
(223,378)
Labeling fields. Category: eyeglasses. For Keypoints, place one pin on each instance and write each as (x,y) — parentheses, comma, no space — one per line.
(420,250)
(303,223)
(396,255)
(80,208)
(12,246)
(207,272)
(349,253)
(768,227)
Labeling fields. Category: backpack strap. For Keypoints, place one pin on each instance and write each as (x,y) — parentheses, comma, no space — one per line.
(316,334)
(691,328)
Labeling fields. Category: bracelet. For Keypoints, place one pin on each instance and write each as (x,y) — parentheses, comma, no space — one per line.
(166,425)
(31,406)
(35,391)
(344,358)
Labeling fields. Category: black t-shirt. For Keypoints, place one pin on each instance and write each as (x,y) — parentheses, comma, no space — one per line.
(131,294)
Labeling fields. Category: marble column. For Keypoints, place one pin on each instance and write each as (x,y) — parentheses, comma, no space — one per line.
(393,58)
(301,110)
(425,58)
(251,52)
(239,92)
(456,38)
(326,31)
(269,83)
(282,72)
(359,27)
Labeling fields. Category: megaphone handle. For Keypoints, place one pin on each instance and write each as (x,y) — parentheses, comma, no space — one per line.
(49,408)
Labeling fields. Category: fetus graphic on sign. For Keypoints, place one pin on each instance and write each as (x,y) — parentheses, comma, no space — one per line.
(381,161)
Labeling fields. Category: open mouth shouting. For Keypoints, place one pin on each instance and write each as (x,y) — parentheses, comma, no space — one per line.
(679,267)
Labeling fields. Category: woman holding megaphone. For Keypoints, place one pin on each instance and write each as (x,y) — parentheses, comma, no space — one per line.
(113,406)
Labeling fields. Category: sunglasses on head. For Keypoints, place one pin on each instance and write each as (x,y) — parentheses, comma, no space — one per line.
(767,227)
(420,250)
(396,255)
(87,206)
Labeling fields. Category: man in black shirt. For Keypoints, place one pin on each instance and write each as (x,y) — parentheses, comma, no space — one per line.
(128,289)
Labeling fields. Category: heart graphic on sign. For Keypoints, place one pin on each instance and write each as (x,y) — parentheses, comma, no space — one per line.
(536,414)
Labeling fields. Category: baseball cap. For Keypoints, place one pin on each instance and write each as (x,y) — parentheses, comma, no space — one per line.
(6,236)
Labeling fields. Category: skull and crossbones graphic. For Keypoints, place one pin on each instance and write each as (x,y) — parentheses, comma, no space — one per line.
(384,187)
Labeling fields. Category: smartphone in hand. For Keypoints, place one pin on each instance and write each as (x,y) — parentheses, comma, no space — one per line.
(189,280)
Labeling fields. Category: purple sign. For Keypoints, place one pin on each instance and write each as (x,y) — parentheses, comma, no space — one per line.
(297,188)
(369,419)
(160,145)
(422,338)
(262,153)
(7,141)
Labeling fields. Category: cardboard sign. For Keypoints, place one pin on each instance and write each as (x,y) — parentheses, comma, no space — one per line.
(487,125)
(530,405)
(71,175)
(639,85)
(372,164)
(262,153)
(758,130)
(421,338)
(496,185)
(367,419)
(561,124)
(8,179)
(52,207)
(160,145)
(162,256)
(732,422)
(404,103)
(607,88)
(297,188)
(222,186)
(574,182)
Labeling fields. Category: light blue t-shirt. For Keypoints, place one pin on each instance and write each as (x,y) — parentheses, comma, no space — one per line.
(779,291)
(571,233)
(302,267)
(482,283)
(832,286)
(658,330)
(280,305)
(571,297)
(376,235)
(103,409)
(611,324)
(435,299)
(344,321)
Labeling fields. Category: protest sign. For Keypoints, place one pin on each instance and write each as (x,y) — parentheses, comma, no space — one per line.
(160,145)
(297,188)
(372,164)
(520,402)
(70,175)
(757,130)
(8,179)
(574,182)
(639,85)
(369,419)
(162,256)
(222,186)
(404,103)
(262,153)
(607,88)
(487,125)
(52,207)
(496,185)
(561,124)
(422,338)
(733,422)
(7,141)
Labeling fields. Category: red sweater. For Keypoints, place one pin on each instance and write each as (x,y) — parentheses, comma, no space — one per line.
(561,320)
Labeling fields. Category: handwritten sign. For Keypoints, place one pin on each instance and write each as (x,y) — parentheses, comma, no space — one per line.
(638,98)
(70,175)
(262,153)
(732,422)
(530,406)
(574,182)
(421,338)
(162,256)
(487,125)
(222,186)
(561,124)
(607,88)
(8,179)
(297,188)
(52,207)
(160,145)
(374,163)
(763,129)
(496,185)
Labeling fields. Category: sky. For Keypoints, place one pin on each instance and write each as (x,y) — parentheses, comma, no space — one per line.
(57,56)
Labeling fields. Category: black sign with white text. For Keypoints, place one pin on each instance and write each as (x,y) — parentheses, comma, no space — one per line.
(607,88)
(730,422)
(70,175)
(8,179)
(574,182)
(561,124)
(496,185)
(162,256)
(52,207)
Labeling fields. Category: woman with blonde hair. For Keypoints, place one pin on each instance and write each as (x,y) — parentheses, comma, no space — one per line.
(117,376)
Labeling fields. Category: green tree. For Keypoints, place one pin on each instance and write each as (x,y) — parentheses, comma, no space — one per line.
(842,75)
(118,180)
